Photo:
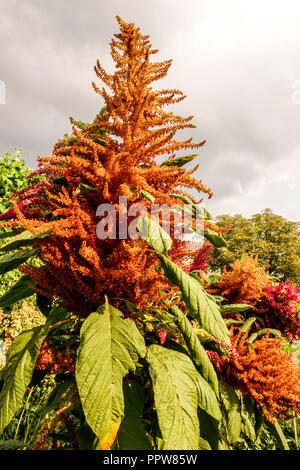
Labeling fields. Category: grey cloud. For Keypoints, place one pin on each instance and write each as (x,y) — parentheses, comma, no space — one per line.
(235,61)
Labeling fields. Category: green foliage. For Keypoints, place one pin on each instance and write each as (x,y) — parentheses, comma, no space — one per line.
(13,173)
(154,234)
(18,371)
(180,161)
(196,350)
(179,390)
(132,435)
(110,348)
(22,428)
(23,239)
(199,304)
(216,240)
(130,392)
(231,406)
(12,261)
(274,239)
(17,292)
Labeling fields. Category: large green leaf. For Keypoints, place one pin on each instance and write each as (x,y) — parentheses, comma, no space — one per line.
(110,347)
(12,261)
(180,161)
(209,430)
(21,359)
(155,235)
(178,392)
(214,238)
(132,435)
(232,409)
(198,303)
(25,238)
(196,349)
(13,444)
(7,235)
(17,292)
(277,432)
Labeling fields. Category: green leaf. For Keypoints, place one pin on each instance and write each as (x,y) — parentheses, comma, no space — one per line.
(21,359)
(25,238)
(259,419)
(13,444)
(57,314)
(234,308)
(232,409)
(196,350)
(248,428)
(17,292)
(277,432)
(233,322)
(264,331)
(198,303)
(132,435)
(209,430)
(143,194)
(83,188)
(12,261)
(7,235)
(180,161)
(247,324)
(110,347)
(155,235)
(178,392)
(214,238)
(194,210)
(55,398)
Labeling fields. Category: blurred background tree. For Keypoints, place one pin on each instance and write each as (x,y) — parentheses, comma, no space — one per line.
(274,239)
(13,174)
(13,177)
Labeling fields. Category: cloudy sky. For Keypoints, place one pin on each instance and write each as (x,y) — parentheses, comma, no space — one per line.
(237,61)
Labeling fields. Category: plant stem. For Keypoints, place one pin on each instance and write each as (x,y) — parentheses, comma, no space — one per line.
(23,411)
(295,430)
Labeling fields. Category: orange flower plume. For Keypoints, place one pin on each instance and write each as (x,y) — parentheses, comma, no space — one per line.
(245,283)
(114,156)
(265,372)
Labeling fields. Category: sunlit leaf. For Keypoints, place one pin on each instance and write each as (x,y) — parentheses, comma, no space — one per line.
(110,347)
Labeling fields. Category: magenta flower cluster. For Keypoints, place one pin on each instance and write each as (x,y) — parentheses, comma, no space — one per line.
(281,309)
(30,199)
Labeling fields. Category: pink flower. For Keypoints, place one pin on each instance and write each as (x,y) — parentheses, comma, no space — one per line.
(162,336)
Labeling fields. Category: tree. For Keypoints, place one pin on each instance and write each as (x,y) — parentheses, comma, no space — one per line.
(13,178)
(13,173)
(274,239)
